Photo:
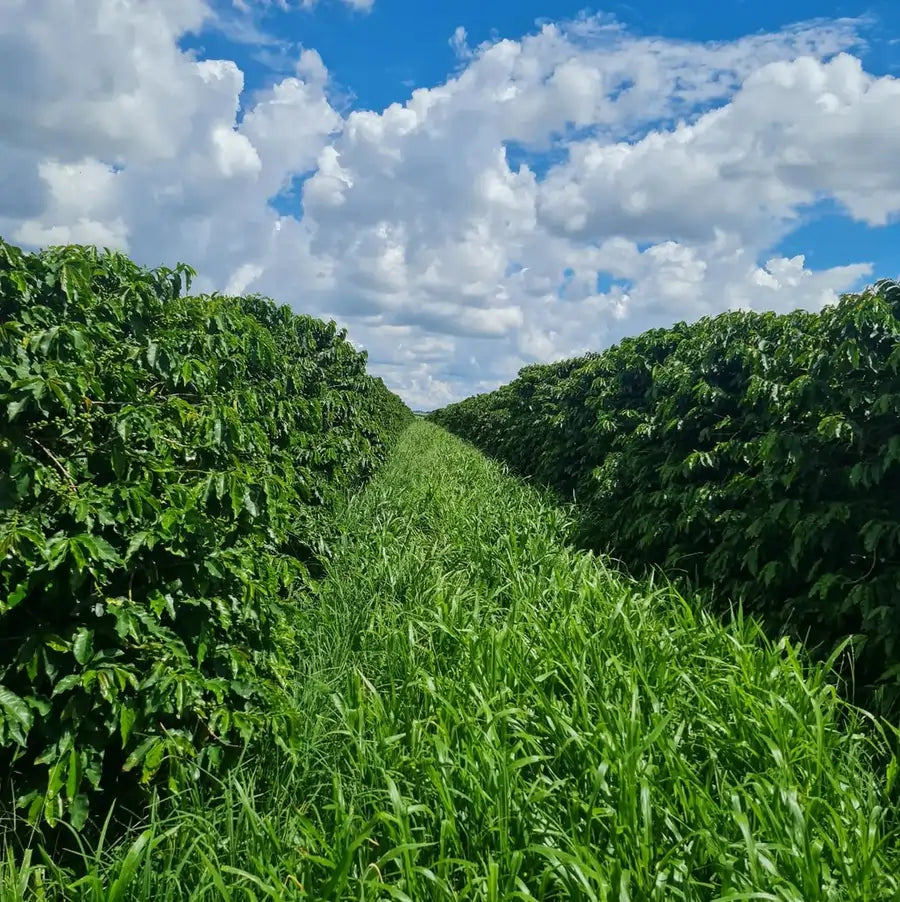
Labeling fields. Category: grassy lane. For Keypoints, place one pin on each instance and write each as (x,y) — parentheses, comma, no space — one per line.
(485,713)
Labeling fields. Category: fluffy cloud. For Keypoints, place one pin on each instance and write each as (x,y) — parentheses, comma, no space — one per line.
(249,5)
(557,193)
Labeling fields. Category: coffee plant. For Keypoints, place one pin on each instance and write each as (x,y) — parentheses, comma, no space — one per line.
(759,454)
(168,469)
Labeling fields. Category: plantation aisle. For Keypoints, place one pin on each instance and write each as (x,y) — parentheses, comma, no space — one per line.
(489,714)
(520,723)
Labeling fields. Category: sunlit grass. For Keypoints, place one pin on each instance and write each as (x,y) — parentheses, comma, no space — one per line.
(490,714)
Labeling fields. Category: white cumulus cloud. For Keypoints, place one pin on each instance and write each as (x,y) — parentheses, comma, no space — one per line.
(558,192)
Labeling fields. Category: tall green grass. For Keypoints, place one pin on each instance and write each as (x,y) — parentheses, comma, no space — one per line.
(489,714)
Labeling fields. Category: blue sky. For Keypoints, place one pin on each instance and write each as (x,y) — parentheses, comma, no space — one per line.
(378,57)
(469,186)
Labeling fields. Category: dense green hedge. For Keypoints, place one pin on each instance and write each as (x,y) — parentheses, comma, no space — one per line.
(759,453)
(168,467)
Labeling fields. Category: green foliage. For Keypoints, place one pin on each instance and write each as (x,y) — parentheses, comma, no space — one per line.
(168,470)
(759,453)
(494,716)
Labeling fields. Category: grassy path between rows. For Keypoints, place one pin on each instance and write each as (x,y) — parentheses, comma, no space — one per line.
(488,714)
